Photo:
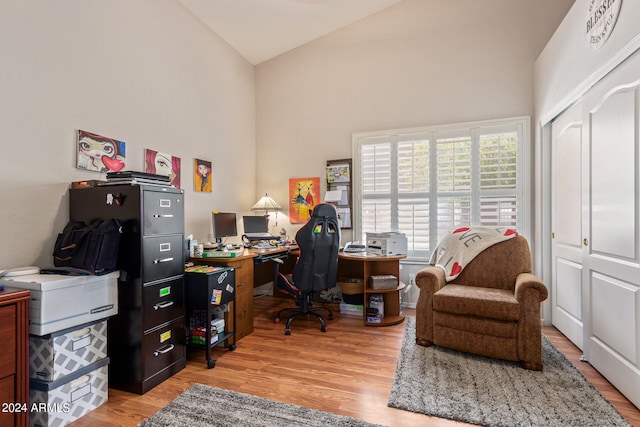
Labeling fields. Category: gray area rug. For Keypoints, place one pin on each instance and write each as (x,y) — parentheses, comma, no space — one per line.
(491,392)
(204,406)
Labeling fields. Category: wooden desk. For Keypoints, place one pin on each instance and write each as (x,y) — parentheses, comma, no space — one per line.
(363,267)
(252,269)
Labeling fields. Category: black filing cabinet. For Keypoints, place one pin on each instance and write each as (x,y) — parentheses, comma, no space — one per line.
(146,338)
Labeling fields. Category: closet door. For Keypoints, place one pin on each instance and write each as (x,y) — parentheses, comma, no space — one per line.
(567,287)
(612,258)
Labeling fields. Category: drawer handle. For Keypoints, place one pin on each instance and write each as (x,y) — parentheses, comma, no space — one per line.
(159,260)
(162,216)
(163,305)
(164,350)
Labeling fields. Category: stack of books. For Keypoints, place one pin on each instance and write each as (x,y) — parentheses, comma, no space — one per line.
(134,177)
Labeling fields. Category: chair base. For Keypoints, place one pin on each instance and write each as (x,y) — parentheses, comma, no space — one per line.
(299,311)
(532,366)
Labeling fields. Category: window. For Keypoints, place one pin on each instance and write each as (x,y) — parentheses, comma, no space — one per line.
(426,181)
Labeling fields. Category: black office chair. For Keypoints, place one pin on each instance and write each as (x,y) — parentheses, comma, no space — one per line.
(316,267)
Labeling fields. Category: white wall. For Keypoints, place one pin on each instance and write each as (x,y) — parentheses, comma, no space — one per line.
(567,67)
(421,62)
(146,72)
(418,63)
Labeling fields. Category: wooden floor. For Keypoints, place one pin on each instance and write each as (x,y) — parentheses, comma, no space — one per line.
(348,370)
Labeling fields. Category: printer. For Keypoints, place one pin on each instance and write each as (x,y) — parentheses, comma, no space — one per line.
(386,244)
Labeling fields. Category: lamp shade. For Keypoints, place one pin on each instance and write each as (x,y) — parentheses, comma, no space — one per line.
(266,204)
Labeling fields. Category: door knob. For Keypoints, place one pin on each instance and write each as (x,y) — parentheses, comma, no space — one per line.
(585,241)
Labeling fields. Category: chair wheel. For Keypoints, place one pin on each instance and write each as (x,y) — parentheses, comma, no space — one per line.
(276,320)
(211,364)
(323,328)
(287,331)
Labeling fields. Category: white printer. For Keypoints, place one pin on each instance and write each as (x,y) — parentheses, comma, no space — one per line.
(386,244)
(60,301)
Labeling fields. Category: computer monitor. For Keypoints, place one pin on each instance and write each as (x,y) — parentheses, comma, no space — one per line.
(223,225)
(255,223)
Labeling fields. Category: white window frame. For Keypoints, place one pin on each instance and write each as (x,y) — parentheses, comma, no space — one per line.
(474,129)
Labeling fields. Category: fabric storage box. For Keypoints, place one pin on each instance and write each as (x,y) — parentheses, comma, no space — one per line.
(58,403)
(62,353)
(59,302)
(385,281)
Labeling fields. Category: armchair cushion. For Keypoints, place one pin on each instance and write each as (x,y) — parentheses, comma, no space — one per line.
(486,303)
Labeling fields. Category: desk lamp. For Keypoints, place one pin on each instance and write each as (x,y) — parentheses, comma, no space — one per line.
(267,204)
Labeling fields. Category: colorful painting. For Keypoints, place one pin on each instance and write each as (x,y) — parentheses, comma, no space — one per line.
(162,164)
(99,153)
(303,196)
(201,175)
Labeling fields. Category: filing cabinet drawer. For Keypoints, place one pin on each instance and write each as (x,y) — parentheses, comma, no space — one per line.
(162,302)
(163,213)
(163,346)
(162,257)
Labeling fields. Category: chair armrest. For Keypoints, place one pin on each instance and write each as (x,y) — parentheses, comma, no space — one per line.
(430,279)
(527,283)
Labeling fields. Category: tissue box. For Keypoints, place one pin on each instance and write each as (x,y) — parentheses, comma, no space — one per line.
(61,353)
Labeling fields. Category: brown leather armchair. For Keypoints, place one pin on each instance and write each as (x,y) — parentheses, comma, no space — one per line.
(492,308)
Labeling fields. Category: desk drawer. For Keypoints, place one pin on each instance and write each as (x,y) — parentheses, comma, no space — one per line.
(8,339)
(163,213)
(163,346)
(162,302)
(162,257)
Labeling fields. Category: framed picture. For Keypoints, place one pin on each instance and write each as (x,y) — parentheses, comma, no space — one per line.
(163,164)
(99,153)
(202,175)
(304,194)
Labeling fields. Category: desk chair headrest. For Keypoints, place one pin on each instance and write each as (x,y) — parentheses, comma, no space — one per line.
(324,210)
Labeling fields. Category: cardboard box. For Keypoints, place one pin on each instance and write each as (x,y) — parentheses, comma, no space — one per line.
(58,403)
(60,302)
(61,353)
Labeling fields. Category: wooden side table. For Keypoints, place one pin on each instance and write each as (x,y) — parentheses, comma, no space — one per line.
(362,267)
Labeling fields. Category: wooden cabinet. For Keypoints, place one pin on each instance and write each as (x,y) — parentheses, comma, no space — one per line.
(244,266)
(363,267)
(14,356)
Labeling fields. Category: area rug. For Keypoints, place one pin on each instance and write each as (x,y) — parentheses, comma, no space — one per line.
(491,392)
(204,406)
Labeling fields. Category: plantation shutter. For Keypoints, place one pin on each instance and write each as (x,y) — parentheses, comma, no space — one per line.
(425,182)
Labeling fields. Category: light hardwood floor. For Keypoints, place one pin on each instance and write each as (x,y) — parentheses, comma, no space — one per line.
(348,370)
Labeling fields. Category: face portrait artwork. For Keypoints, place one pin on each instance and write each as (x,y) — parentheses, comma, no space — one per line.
(163,164)
(201,175)
(99,153)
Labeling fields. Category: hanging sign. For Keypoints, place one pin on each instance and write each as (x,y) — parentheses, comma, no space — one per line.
(601,18)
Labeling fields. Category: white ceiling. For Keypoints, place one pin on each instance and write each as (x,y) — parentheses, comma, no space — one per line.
(262,29)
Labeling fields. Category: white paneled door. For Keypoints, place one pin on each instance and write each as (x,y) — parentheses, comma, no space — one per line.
(596,226)
(567,285)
